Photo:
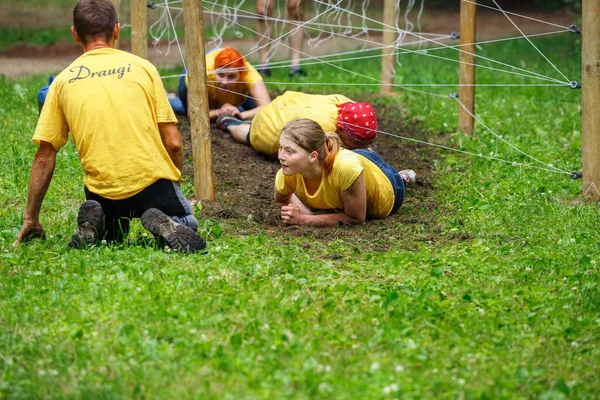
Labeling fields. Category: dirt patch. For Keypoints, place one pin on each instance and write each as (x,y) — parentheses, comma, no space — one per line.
(244,192)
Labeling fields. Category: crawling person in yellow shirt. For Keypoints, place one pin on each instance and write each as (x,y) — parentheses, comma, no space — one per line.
(355,122)
(234,87)
(115,106)
(317,175)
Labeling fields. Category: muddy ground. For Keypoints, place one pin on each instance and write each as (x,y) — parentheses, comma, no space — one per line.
(244,183)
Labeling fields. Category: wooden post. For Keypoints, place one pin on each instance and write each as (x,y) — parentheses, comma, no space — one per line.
(139,28)
(590,97)
(117,4)
(198,99)
(466,94)
(388,59)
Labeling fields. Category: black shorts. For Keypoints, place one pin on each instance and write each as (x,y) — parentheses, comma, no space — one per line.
(162,194)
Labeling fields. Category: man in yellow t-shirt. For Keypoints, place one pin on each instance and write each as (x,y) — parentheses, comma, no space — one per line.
(125,132)
(355,122)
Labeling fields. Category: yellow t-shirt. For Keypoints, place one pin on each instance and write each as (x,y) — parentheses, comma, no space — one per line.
(111,102)
(217,97)
(270,120)
(346,168)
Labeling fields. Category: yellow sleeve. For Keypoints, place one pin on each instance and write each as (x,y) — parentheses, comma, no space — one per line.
(52,126)
(252,76)
(346,169)
(284,184)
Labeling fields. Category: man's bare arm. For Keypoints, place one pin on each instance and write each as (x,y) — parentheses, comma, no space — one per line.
(171,139)
(42,170)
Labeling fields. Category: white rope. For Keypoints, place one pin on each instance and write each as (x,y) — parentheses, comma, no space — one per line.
(460,50)
(286,63)
(175,33)
(290,31)
(517,15)
(548,167)
(350,71)
(529,74)
(504,140)
(497,40)
(400,85)
(530,42)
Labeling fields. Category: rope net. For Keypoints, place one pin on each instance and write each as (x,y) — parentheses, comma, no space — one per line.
(348,25)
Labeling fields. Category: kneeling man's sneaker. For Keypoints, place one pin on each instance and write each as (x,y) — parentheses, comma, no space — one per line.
(408,175)
(90,225)
(178,237)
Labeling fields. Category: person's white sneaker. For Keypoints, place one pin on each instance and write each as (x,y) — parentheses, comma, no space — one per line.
(408,175)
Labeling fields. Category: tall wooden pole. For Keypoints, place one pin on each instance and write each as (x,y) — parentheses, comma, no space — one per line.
(590,86)
(117,4)
(468,14)
(198,99)
(139,28)
(388,59)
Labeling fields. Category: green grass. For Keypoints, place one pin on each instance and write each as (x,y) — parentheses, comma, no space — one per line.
(512,312)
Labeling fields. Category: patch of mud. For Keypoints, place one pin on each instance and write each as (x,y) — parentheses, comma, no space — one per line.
(244,183)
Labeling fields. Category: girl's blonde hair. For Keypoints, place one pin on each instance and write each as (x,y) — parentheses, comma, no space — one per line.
(309,135)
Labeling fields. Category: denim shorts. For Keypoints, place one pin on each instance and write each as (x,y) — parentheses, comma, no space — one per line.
(391,173)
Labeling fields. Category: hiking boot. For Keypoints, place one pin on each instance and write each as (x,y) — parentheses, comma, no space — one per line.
(224,121)
(177,236)
(408,175)
(90,225)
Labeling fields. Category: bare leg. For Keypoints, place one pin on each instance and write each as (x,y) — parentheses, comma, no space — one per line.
(296,13)
(239,132)
(265,9)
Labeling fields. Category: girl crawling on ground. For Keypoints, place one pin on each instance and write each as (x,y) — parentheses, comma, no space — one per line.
(316,174)
(234,88)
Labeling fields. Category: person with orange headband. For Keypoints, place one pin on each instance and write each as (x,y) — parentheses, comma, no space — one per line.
(321,184)
(355,122)
(234,86)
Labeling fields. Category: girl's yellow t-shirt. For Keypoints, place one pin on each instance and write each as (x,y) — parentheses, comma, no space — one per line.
(270,120)
(346,168)
(121,152)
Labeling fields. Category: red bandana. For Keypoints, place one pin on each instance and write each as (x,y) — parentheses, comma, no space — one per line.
(358,119)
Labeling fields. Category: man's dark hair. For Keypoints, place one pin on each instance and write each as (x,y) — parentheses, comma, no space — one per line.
(94,19)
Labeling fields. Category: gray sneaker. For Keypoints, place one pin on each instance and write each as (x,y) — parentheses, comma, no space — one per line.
(408,175)
(90,225)
(224,121)
(177,236)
